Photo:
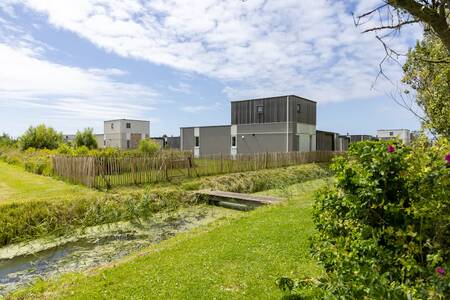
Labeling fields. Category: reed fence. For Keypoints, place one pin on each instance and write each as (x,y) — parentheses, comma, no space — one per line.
(106,172)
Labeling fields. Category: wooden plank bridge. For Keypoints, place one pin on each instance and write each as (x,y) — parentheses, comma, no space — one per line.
(238,201)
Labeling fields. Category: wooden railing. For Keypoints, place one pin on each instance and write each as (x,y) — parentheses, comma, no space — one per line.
(105,172)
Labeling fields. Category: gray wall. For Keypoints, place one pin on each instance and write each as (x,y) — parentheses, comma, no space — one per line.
(274,110)
(213,139)
(266,137)
(187,139)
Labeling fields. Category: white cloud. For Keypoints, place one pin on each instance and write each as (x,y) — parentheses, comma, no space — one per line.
(257,47)
(28,80)
(202,108)
(181,87)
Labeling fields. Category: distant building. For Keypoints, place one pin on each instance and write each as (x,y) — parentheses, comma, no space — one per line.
(100,138)
(390,134)
(125,134)
(331,141)
(68,138)
(169,142)
(275,124)
(361,137)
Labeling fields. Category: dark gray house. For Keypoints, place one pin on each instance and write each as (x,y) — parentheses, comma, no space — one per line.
(331,141)
(275,124)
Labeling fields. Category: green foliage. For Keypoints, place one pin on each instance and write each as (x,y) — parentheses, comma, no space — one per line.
(427,71)
(383,228)
(65,149)
(40,137)
(81,151)
(255,181)
(6,140)
(149,147)
(32,219)
(85,138)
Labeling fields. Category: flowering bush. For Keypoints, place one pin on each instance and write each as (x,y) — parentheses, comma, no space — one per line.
(383,228)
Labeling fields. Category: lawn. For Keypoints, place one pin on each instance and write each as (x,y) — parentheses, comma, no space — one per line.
(17,185)
(238,257)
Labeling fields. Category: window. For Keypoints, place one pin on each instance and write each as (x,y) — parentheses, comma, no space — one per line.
(391,133)
(299,108)
(260,109)
(197,141)
(233,141)
(112,125)
(128,144)
(128,125)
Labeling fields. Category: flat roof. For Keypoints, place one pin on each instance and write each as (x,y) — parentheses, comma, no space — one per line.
(263,98)
(391,129)
(205,126)
(126,120)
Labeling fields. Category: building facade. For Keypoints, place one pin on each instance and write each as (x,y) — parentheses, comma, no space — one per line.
(361,137)
(331,141)
(391,134)
(125,134)
(275,124)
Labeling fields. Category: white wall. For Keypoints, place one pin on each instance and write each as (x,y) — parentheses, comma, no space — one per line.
(117,135)
(402,134)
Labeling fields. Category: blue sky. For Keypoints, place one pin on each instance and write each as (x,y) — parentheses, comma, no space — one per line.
(73,64)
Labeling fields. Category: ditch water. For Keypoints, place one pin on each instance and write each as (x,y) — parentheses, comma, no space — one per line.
(23,264)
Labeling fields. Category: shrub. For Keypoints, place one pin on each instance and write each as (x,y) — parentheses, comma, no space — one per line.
(38,161)
(81,151)
(40,137)
(383,228)
(65,149)
(149,147)
(85,138)
(6,140)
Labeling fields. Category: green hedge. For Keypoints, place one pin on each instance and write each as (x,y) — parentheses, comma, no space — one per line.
(383,229)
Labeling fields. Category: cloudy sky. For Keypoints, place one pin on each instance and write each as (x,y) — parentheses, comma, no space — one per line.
(72,64)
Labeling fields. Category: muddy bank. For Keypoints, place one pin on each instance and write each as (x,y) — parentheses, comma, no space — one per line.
(24,263)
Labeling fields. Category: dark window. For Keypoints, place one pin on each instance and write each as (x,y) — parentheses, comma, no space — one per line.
(128,144)
(128,125)
(233,141)
(299,108)
(197,141)
(260,109)
(391,133)
(104,142)
(112,125)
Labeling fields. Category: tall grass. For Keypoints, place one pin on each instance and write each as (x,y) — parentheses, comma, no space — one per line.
(28,220)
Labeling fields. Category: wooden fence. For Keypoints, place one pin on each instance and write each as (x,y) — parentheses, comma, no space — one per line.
(105,172)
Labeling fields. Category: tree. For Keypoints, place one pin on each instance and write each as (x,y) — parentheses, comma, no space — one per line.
(394,14)
(85,138)
(427,71)
(40,137)
(6,140)
(149,146)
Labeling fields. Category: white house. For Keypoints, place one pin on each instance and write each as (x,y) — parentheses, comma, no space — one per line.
(125,134)
(389,134)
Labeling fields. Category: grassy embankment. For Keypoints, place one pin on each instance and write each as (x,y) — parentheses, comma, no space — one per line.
(33,206)
(235,258)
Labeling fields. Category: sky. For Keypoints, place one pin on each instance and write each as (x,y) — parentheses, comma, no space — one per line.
(73,64)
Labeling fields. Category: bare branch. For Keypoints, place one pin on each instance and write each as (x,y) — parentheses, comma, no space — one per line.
(396,26)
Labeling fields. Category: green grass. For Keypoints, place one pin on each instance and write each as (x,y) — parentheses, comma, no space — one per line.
(235,258)
(17,185)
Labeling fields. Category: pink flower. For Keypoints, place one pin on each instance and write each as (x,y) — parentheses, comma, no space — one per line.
(447,158)
(390,148)
(440,271)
